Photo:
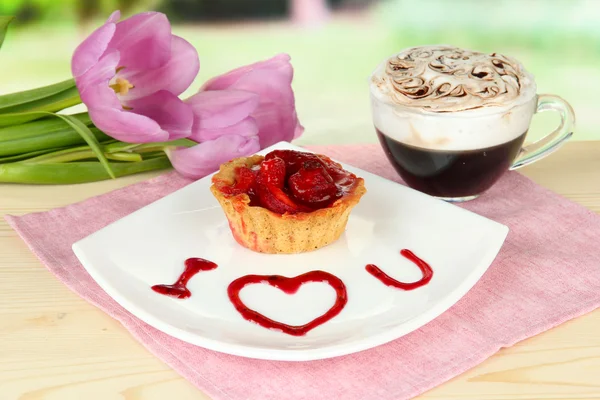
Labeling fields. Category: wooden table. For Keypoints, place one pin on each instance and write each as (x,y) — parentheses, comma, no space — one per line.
(55,346)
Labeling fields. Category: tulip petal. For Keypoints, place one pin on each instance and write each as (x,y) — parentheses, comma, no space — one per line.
(222,108)
(226,80)
(271,80)
(100,96)
(91,49)
(246,127)
(93,85)
(276,114)
(144,40)
(204,158)
(127,126)
(299,130)
(168,111)
(175,76)
(99,74)
(114,17)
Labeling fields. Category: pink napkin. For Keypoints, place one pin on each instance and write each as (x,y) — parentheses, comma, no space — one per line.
(547,273)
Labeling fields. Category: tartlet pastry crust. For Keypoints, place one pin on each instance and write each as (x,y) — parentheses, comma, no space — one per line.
(259,229)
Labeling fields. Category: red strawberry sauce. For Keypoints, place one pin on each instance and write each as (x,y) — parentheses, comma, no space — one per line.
(389,281)
(289,286)
(179,288)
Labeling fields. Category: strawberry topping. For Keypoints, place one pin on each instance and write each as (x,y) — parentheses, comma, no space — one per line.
(290,182)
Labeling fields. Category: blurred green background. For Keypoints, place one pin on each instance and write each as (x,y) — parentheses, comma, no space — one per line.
(334,46)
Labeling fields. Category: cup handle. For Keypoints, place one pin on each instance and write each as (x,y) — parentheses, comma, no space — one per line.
(551,142)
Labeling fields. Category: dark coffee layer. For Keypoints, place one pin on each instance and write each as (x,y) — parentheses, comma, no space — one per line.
(450,173)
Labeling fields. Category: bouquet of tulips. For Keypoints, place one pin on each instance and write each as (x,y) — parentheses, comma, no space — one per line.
(129,75)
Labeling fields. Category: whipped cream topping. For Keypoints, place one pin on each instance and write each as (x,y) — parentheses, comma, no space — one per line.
(449,79)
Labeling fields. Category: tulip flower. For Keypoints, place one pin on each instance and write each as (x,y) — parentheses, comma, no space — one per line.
(129,74)
(237,114)
(271,80)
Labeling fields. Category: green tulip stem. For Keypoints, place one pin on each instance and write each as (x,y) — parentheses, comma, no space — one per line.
(74,172)
(148,147)
(52,140)
(80,153)
(20,107)
(25,156)
(43,127)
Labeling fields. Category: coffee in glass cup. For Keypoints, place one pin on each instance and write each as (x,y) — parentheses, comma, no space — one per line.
(452,121)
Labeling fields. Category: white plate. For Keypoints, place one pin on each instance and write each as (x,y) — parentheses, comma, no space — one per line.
(149,247)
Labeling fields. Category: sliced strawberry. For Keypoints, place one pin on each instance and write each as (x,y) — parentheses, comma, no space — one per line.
(246,178)
(312,185)
(343,179)
(244,182)
(276,200)
(272,172)
(283,198)
(291,181)
(293,159)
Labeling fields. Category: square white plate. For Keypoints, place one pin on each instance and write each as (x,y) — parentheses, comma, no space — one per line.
(150,246)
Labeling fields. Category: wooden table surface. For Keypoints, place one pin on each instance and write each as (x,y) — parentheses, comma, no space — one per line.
(55,346)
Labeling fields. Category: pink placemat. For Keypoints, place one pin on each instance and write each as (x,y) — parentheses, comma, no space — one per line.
(547,273)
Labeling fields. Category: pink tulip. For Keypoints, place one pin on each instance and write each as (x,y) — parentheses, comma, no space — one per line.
(271,80)
(129,74)
(237,114)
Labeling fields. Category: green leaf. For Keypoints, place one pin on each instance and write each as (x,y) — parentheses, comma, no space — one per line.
(19,118)
(124,156)
(120,146)
(147,147)
(79,154)
(74,172)
(25,156)
(85,132)
(60,138)
(41,127)
(152,154)
(39,99)
(4,21)
(161,145)
(90,139)
(54,103)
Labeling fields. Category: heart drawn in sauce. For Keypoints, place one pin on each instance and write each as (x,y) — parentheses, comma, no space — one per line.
(289,286)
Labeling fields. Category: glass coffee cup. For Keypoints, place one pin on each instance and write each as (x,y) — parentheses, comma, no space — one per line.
(452,121)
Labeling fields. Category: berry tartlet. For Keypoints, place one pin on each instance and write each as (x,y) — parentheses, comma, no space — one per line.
(287,201)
